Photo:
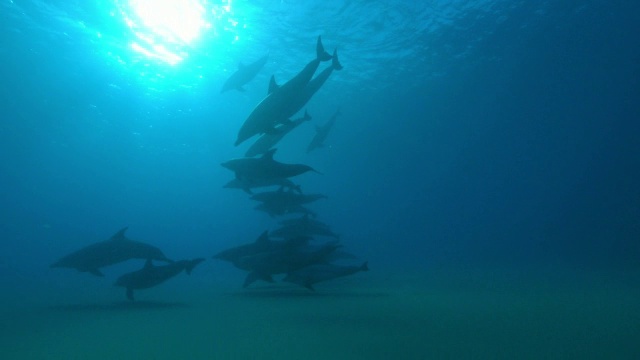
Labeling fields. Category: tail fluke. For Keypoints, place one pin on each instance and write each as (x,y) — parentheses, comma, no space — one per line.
(334,60)
(321,54)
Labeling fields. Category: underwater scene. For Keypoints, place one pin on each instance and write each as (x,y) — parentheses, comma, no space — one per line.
(219,179)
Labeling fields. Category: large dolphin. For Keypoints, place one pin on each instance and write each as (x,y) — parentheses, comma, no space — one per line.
(248,184)
(298,102)
(275,107)
(151,275)
(316,273)
(322,132)
(112,251)
(244,74)
(267,141)
(264,168)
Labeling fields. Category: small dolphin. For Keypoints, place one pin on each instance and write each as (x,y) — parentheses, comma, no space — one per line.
(287,198)
(303,228)
(112,251)
(274,209)
(151,275)
(264,168)
(322,132)
(267,141)
(248,184)
(275,107)
(312,274)
(244,74)
(304,221)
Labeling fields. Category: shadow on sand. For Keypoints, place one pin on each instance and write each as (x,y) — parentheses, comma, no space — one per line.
(287,292)
(117,306)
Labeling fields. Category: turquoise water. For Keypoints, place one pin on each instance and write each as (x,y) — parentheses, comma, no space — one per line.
(485,164)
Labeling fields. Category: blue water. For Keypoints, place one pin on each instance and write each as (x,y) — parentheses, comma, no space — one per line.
(482,145)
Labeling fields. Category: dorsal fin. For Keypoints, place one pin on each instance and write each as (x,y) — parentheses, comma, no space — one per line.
(120,234)
(306,117)
(269,154)
(273,86)
(148,264)
(263,238)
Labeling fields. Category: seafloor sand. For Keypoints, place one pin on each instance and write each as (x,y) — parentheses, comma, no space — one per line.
(415,318)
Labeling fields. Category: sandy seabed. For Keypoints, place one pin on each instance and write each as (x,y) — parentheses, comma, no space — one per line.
(412,318)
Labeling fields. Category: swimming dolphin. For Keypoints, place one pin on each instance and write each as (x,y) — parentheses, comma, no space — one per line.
(248,184)
(274,209)
(286,197)
(275,107)
(263,265)
(316,273)
(322,132)
(112,251)
(298,102)
(262,244)
(244,74)
(304,221)
(304,227)
(151,275)
(264,168)
(267,141)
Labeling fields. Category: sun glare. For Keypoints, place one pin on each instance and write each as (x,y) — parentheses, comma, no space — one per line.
(164,29)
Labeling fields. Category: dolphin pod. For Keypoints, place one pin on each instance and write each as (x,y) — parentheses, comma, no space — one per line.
(295,254)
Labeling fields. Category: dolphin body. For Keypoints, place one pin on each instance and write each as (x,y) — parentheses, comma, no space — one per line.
(303,228)
(322,132)
(151,275)
(263,265)
(261,245)
(274,209)
(248,184)
(244,74)
(297,103)
(275,108)
(264,168)
(267,141)
(312,274)
(286,198)
(304,221)
(108,252)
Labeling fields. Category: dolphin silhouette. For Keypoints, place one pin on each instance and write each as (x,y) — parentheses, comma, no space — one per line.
(112,251)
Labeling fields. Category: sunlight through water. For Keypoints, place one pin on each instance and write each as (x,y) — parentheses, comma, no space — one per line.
(165,29)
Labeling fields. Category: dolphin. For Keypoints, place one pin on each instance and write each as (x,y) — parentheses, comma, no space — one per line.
(269,140)
(303,228)
(244,74)
(261,245)
(322,132)
(263,265)
(316,273)
(274,209)
(275,107)
(151,275)
(286,198)
(264,168)
(297,103)
(304,221)
(108,252)
(248,184)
